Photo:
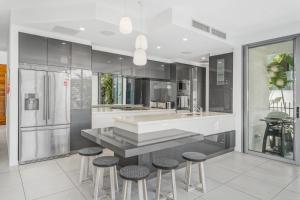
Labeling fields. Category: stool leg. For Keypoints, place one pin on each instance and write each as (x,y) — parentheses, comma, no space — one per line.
(116,178)
(129,190)
(87,171)
(82,169)
(97,182)
(189,171)
(141,193)
(174,184)
(125,188)
(158,184)
(202,176)
(112,183)
(145,189)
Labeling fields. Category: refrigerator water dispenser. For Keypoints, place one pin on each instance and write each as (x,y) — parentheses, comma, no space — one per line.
(31,101)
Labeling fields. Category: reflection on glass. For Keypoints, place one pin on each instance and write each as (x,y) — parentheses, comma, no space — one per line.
(271,99)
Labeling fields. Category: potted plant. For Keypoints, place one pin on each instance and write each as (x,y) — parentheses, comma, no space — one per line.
(278,70)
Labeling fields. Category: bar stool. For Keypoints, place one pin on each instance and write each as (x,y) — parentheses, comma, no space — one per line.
(199,158)
(101,164)
(134,173)
(87,154)
(165,164)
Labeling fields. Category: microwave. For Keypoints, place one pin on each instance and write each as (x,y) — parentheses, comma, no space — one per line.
(183,85)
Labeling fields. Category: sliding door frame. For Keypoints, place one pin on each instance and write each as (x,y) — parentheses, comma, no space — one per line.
(245,108)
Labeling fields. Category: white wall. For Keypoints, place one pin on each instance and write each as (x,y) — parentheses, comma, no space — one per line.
(238,95)
(3,57)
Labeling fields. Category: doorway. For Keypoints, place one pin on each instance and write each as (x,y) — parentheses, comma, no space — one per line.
(3,69)
(270,101)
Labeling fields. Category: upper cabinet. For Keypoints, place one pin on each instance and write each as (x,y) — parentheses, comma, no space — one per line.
(220,83)
(157,70)
(81,56)
(59,53)
(32,49)
(104,62)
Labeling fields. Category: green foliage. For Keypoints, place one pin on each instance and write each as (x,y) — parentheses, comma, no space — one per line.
(107,87)
(278,68)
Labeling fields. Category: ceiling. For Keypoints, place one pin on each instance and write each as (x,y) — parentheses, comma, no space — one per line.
(165,22)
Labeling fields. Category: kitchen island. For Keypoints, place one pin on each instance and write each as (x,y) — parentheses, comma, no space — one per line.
(133,152)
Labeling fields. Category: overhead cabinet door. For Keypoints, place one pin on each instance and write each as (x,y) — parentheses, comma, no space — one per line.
(81,56)
(32,49)
(59,53)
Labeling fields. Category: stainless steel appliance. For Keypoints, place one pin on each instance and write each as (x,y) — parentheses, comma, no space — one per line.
(44,114)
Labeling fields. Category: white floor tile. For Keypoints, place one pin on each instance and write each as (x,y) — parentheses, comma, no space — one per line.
(226,193)
(40,171)
(261,189)
(72,194)
(12,193)
(295,186)
(281,168)
(219,174)
(267,175)
(70,163)
(10,179)
(45,186)
(287,195)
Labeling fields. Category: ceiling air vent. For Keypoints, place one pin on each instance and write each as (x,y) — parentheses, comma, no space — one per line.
(200,26)
(64,30)
(218,33)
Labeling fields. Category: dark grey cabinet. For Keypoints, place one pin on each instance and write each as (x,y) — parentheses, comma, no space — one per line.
(81,56)
(59,53)
(32,49)
(220,83)
(157,70)
(104,62)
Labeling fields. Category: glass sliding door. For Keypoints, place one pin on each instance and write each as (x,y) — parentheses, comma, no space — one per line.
(269,99)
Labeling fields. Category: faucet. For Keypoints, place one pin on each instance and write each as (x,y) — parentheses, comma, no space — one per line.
(197,109)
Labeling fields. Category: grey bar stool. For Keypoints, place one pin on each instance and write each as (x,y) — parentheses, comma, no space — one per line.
(134,173)
(87,155)
(165,164)
(102,163)
(198,158)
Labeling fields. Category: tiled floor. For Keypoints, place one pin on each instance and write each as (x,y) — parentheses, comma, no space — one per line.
(233,176)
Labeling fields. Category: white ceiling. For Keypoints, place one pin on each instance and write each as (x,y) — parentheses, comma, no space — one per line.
(166,22)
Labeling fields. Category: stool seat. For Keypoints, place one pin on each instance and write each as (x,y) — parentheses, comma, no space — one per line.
(194,156)
(91,151)
(165,163)
(106,161)
(134,172)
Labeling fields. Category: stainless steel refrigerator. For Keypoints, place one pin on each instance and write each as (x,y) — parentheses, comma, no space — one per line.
(44,114)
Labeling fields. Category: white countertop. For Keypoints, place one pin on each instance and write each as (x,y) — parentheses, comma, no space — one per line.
(114,111)
(142,119)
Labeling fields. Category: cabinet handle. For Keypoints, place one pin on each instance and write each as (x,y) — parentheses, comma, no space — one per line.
(297,112)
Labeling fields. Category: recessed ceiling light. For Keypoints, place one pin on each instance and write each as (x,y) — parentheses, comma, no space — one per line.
(184,39)
(162,65)
(82,28)
(158,47)
(63,43)
(203,58)
(186,52)
(120,58)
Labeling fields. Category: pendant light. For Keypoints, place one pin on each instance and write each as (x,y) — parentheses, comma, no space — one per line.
(125,23)
(141,45)
(140,57)
(141,42)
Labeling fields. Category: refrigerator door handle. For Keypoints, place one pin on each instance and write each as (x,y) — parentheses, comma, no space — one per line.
(44,100)
(48,97)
